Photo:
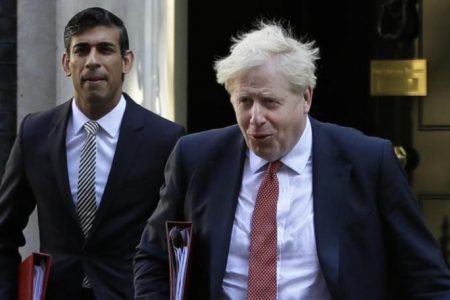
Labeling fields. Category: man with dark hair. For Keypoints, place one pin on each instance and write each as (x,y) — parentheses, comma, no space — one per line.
(93,166)
(92,17)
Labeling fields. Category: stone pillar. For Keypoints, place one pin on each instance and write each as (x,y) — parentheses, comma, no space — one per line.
(36,78)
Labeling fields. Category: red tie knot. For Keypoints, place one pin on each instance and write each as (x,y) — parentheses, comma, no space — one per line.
(274,166)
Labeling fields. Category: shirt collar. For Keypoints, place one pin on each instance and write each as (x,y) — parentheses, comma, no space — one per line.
(295,159)
(110,122)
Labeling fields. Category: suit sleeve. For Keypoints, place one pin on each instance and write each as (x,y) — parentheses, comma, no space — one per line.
(16,204)
(418,265)
(151,266)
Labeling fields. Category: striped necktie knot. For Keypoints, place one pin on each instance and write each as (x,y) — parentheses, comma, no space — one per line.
(91,127)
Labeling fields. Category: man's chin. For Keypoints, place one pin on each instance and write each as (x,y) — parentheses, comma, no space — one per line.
(95,99)
(95,96)
(265,152)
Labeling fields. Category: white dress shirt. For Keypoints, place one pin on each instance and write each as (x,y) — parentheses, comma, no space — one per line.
(298,272)
(107,138)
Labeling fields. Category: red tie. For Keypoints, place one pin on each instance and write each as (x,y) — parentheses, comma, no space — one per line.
(262,270)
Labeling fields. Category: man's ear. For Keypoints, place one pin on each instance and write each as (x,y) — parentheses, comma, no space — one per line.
(127,61)
(65,64)
(307,97)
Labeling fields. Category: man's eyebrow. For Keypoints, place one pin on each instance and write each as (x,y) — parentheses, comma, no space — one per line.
(103,44)
(109,44)
(80,44)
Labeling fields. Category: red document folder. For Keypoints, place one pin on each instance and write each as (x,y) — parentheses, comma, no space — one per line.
(179,246)
(30,280)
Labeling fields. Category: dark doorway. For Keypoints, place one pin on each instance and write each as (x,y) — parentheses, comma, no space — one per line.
(346,33)
(8,78)
(342,30)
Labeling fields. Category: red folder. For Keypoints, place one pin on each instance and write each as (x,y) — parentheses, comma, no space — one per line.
(179,237)
(32,280)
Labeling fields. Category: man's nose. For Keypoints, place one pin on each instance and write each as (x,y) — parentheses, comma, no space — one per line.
(257,112)
(92,59)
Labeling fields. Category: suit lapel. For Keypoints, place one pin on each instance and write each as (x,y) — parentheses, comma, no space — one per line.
(225,176)
(58,157)
(127,145)
(330,181)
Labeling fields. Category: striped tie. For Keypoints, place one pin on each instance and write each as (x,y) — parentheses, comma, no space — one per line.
(86,205)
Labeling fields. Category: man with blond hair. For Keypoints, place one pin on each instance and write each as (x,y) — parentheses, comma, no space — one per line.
(284,206)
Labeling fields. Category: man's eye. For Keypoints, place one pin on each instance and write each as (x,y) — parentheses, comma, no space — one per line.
(270,101)
(81,50)
(244,100)
(106,49)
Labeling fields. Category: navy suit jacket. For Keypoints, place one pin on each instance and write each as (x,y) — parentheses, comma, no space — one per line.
(36,174)
(371,240)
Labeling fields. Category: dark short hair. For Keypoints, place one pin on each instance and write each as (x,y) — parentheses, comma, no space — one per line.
(92,17)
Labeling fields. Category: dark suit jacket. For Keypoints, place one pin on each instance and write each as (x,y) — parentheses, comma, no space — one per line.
(371,241)
(36,174)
